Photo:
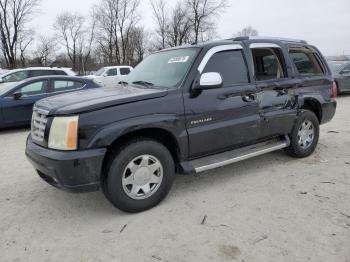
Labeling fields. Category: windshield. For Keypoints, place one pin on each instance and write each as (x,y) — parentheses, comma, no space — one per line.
(335,65)
(100,72)
(164,69)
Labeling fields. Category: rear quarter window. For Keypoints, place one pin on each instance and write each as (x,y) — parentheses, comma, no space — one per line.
(306,62)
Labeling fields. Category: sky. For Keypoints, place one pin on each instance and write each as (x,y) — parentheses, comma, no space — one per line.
(324,23)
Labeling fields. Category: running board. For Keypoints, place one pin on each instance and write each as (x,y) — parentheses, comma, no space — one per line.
(230,157)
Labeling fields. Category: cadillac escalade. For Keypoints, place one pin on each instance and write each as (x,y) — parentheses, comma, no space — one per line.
(184,110)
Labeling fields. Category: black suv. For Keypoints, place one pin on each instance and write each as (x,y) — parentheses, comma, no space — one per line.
(186,109)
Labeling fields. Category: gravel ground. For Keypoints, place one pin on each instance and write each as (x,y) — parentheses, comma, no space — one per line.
(270,208)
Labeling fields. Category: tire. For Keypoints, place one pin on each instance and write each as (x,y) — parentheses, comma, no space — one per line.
(301,144)
(130,174)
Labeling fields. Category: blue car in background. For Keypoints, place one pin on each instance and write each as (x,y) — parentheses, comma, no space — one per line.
(17,99)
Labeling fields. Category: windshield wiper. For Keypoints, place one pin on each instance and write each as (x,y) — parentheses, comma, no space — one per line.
(143,83)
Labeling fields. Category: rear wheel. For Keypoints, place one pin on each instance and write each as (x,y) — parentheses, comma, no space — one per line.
(304,136)
(139,176)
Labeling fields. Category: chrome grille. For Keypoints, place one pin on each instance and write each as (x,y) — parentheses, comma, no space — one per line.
(39,121)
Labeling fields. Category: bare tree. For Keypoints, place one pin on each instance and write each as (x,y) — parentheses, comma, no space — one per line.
(106,29)
(45,50)
(13,16)
(180,28)
(247,31)
(161,18)
(70,29)
(116,20)
(24,40)
(202,13)
(86,43)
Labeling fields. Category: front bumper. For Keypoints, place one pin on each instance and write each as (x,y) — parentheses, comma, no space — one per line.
(76,171)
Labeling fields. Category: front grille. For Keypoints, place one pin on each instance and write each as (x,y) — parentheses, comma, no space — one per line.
(39,121)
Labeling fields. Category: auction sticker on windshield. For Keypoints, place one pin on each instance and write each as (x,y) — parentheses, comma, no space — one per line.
(179,59)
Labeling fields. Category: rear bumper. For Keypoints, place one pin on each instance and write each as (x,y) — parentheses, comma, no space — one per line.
(328,111)
(77,171)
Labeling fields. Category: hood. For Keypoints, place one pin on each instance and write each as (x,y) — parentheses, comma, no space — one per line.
(97,98)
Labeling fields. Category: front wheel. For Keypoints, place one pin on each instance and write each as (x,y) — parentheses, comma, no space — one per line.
(304,136)
(139,176)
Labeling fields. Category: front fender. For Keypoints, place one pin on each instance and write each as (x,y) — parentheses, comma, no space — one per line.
(172,124)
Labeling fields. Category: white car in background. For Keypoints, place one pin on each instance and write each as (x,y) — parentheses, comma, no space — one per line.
(111,75)
(18,75)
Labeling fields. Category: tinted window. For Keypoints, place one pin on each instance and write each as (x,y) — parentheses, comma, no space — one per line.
(231,66)
(61,73)
(61,85)
(112,72)
(305,61)
(16,77)
(35,73)
(124,71)
(268,63)
(36,88)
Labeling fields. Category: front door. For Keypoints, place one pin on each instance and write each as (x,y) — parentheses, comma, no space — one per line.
(18,105)
(221,118)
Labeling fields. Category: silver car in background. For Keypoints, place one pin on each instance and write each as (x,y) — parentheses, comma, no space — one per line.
(341,74)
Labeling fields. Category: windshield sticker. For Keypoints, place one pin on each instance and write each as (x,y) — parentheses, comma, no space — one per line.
(179,59)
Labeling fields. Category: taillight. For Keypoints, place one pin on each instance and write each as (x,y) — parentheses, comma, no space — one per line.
(334,89)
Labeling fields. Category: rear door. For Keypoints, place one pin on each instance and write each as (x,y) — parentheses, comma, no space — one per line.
(123,72)
(19,110)
(218,119)
(59,86)
(275,88)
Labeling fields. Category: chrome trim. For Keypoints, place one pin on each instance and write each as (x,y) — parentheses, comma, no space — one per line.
(39,122)
(215,50)
(264,45)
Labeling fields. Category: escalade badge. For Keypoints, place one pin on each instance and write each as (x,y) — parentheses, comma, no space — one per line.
(201,121)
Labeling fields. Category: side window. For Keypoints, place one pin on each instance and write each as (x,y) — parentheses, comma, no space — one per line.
(124,70)
(268,63)
(16,77)
(61,85)
(36,88)
(231,66)
(60,73)
(35,73)
(112,72)
(305,61)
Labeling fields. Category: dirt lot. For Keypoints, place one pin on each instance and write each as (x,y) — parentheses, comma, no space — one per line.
(271,208)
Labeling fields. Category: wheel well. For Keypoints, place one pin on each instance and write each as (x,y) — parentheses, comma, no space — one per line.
(314,107)
(160,135)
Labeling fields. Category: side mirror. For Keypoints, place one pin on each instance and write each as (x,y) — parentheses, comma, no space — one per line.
(1,80)
(17,95)
(210,81)
(345,72)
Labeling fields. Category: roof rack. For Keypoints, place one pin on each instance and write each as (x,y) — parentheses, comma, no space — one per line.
(244,38)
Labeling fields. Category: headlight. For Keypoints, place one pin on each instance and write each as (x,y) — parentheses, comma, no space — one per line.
(64,133)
